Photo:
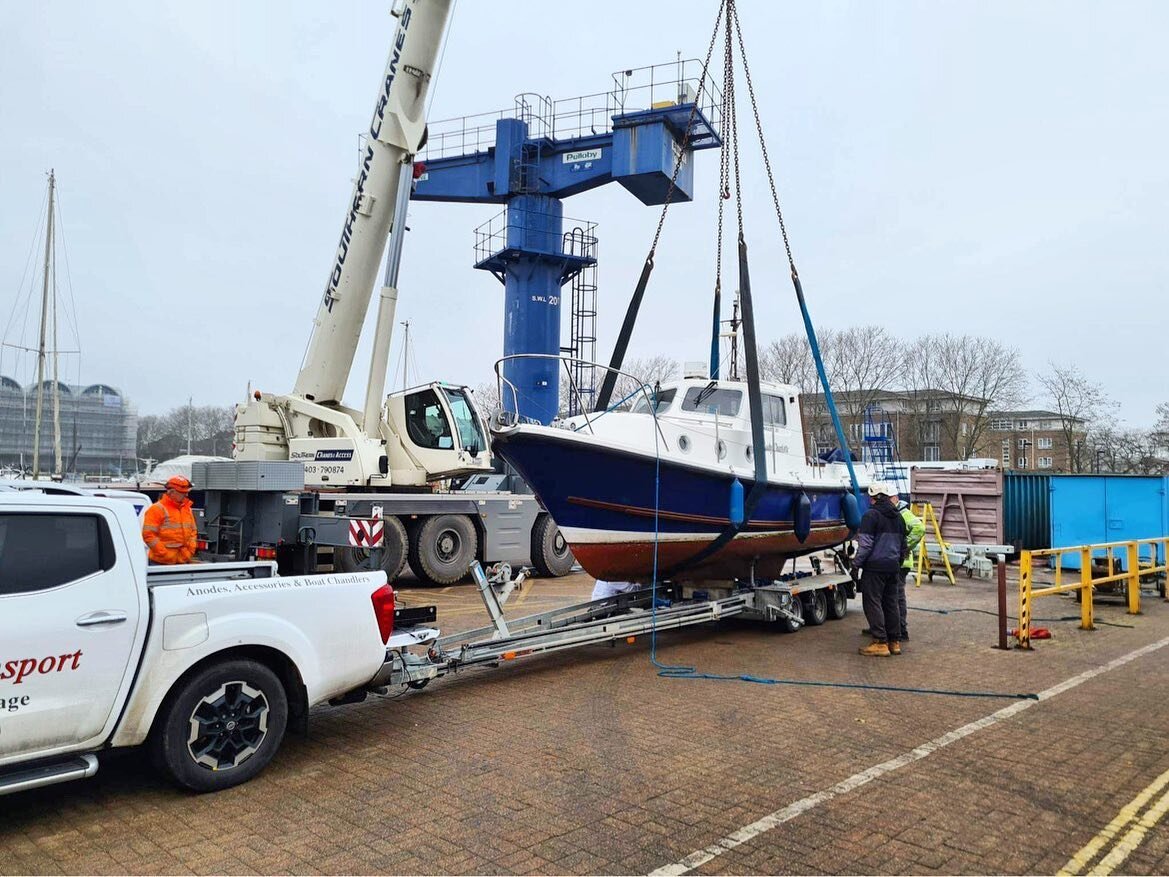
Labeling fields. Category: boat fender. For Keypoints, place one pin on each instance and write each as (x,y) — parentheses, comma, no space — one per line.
(802,517)
(736,506)
(852,512)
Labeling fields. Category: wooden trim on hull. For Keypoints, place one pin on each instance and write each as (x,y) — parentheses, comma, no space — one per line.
(633,560)
(683,517)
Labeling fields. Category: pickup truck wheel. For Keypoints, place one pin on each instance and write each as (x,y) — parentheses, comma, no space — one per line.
(443,548)
(222,727)
(550,552)
(393,553)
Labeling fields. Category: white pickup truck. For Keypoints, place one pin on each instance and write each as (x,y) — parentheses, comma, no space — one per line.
(206,664)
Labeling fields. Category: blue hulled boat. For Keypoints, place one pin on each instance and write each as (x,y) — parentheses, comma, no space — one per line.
(622,482)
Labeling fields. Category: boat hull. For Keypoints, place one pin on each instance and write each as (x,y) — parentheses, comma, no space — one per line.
(625,514)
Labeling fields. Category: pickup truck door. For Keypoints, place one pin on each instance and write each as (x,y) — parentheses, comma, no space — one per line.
(70,613)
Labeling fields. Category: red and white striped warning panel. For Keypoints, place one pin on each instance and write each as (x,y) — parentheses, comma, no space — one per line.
(366,534)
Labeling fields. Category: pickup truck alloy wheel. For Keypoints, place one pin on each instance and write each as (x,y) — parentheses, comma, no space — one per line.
(228,726)
(221,726)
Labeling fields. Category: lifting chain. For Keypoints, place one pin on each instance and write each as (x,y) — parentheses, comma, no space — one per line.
(763,142)
(689,129)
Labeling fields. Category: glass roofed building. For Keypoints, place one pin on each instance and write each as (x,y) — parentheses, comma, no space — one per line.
(99,428)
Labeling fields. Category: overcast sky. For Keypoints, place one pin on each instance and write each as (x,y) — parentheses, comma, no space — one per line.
(996,168)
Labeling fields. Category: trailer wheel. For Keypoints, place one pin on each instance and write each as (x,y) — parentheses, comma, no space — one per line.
(393,553)
(815,607)
(550,552)
(838,603)
(443,548)
(222,726)
(796,608)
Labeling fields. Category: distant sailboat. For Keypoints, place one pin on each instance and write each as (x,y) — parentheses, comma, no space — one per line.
(47,407)
(48,314)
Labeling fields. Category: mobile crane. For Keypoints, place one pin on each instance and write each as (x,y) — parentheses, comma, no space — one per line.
(400,442)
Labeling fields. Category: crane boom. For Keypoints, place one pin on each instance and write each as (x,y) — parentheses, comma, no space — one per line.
(395,133)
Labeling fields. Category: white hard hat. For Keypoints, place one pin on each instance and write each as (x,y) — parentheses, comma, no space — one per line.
(882,488)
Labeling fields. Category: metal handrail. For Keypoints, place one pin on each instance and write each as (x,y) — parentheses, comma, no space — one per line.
(643,388)
(1088,582)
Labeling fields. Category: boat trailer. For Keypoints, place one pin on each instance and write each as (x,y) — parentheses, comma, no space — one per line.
(792,602)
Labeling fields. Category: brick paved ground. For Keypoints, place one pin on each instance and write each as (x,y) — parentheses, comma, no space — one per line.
(587,762)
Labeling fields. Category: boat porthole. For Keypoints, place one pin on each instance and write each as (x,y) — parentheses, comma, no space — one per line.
(684,444)
(750,453)
(722,449)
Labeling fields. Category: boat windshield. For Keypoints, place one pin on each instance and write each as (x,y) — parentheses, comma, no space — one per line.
(661,403)
(713,400)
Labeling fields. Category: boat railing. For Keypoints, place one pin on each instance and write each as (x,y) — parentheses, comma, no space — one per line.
(630,385)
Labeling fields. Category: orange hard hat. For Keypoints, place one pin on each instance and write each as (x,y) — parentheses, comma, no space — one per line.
(179,483)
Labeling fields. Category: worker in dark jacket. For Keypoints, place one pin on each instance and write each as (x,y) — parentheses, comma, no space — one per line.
(881,548)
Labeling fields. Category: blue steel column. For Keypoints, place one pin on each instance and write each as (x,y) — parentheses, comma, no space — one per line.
(531,321)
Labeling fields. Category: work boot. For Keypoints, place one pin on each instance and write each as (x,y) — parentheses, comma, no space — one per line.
(875,649)
(894,648)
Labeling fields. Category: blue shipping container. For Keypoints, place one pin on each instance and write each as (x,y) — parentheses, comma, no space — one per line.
(1088,509)
(1026,510)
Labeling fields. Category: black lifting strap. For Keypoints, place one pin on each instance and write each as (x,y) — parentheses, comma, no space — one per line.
(618,358)
(755,400)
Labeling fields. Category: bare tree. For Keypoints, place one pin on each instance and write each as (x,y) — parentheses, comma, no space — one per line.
(486,398)
(1123,451)
(1161,428)
(863,363)
(210,429)
(960,378)
(788,360)
(1078,401)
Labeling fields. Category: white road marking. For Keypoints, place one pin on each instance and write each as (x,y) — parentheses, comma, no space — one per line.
(779,817)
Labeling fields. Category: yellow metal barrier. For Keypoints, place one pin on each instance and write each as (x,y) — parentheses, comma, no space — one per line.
(1135,566)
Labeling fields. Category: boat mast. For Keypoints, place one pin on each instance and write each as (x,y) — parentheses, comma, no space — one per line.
(58,468)
(735,339)
(36,445)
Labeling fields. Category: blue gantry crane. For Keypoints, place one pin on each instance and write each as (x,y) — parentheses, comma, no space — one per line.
(534,156)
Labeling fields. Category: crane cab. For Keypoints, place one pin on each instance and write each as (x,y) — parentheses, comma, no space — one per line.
(427,433)
(436,429)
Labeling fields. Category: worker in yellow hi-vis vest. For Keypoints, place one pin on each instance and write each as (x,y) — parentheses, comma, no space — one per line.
(914,533)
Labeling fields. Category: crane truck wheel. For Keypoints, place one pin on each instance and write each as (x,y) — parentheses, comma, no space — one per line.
(222,726)
(442,549)
(393,559)
(551,555)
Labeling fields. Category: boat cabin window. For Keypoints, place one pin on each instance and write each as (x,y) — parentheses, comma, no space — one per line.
(713,400)
(664,398)
(774,413)
(426,422)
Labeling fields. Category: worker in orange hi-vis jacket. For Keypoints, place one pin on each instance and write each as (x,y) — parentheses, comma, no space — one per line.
(168,527)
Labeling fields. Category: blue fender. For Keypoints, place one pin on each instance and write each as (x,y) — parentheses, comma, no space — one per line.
(802,517)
